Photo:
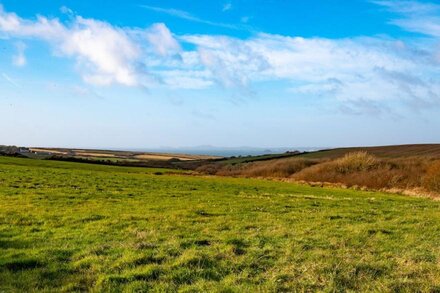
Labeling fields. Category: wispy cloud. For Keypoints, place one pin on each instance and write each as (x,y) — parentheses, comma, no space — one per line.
(408,7)
(66,10)
(10,80)
(245,19)
(415,16)
(188,16)
(227,6)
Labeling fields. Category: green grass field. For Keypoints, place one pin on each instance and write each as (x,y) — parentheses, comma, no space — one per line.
(79,227)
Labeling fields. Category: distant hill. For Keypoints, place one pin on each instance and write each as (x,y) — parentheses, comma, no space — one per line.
(393,151)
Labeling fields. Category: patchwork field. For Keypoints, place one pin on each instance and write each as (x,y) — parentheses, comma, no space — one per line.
(79,227)
(120,155)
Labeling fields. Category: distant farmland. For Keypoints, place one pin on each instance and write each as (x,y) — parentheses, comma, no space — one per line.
(103,154)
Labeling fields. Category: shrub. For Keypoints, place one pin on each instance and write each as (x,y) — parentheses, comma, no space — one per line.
(431,180)
(357,161)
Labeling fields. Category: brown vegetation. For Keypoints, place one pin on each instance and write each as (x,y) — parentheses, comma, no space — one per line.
(385,152)
(356,169)
(361,169)
(273,168)
(431,180)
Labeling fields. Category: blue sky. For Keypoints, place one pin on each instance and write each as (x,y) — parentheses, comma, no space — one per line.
(146,74)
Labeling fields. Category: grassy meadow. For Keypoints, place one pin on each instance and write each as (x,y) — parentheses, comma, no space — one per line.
(80,227)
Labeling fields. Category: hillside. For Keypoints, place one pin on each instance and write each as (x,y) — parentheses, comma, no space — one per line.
(81,227)
(403,168)
(393,151)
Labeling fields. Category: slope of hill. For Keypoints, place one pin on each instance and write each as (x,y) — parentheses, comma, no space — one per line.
(393,151)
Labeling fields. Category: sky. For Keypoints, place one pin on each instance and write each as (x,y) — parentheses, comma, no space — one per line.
(182,73)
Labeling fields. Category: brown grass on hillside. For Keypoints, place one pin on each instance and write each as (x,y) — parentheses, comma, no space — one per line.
(277,168)
(431,180)
(362,169)
(210,169)
(270,169)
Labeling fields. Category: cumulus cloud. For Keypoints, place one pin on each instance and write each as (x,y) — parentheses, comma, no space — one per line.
(105,54)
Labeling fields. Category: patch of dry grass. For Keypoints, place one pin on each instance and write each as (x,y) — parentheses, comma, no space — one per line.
(431,180)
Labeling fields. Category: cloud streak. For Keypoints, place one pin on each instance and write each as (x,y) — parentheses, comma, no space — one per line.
(188,16)
(9,80)
(415,16)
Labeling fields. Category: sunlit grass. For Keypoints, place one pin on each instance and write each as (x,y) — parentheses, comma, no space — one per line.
(75,227)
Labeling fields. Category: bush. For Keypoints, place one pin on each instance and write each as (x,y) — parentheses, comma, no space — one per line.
(431,180)
(354,162)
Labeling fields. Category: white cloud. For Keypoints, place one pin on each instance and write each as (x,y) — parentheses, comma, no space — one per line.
(372,70)
(162,40)
(232,62)
(105,54)
(409,7)
(415,16)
